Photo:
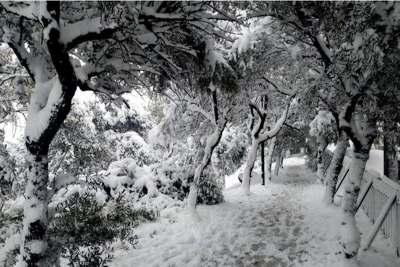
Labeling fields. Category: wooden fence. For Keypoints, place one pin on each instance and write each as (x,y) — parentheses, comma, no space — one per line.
(379,197)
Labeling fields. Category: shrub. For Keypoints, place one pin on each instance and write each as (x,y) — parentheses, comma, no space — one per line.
(82,231)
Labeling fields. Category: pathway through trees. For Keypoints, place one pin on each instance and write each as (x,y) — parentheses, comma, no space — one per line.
(281,224)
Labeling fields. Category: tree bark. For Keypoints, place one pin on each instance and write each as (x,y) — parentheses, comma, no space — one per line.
(350,235)
(257,138)
(278,163)
(212,142)
(390,168)
(251,159)
(269,158)
(34,235)
(362,130)
(335,167)
(263,163)
(320,163)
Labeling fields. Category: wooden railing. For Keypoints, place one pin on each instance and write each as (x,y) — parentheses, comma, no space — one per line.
(379,197)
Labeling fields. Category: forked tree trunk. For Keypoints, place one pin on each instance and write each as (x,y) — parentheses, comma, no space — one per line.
(257,138)
(350,235)
(34,243)
(268,161)
(335,167)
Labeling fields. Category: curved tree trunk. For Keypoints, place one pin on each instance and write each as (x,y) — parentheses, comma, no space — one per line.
(350,235)
(335,167)
(268,161)
(257,138)
(49,106)
(362,130)
(212,142)
(251,159)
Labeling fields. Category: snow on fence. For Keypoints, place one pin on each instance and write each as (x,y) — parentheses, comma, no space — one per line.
(380,199)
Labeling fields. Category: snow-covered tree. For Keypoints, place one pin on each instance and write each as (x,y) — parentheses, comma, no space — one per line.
(121,44)
(347,56)
(321,128)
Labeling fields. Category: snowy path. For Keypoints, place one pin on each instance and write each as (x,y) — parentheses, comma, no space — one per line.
(281,224)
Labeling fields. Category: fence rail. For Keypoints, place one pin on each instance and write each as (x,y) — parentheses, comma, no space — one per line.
(380,199)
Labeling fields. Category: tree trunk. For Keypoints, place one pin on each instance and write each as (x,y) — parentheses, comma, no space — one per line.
(256,139)
(278,163)
(212,142)
(251,159)
(335,167)
(35,212)
(320,163)
(390,168)
(350,235)
(263,163)
(269,158)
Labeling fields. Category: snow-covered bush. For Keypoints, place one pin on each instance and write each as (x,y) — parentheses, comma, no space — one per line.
(10,227)
(82,230)
(7,177)
(12,171)
(159,185)
(231,152)
(210,192)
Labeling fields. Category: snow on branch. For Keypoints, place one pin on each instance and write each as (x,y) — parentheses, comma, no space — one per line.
(284,91)
(196,107)
(277,127)
(61,181)
(44,99)
(24,57)
(27,10)
(260,125)
(323,49)
(73,34)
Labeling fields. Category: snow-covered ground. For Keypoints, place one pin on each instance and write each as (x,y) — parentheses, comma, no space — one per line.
(281,224)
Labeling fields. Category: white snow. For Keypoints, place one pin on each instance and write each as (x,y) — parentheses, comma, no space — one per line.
(294,51)
(11,243)
(63,180)
(283,223)
(71,31)
(43,101)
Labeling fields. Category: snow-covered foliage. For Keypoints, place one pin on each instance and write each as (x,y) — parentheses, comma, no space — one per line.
(105,47)
(322,124)
(214,82)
